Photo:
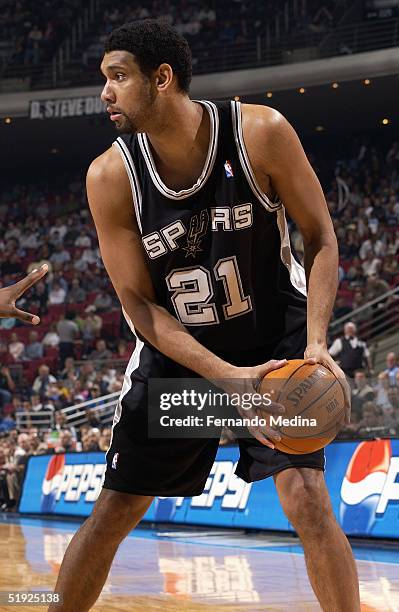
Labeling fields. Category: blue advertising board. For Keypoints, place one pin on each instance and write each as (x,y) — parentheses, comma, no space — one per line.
(362,478)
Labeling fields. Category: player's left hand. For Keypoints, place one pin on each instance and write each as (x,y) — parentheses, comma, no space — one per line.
(315,353)
(9,295)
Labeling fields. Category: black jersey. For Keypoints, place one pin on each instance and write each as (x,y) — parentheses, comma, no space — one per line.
(218,253)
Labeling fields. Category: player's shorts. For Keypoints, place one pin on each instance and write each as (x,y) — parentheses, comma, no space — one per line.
(141,465)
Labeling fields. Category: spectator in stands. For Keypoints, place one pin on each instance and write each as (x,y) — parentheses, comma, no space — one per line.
(90,327)
(372,420)
(68,332)
(381,390)
(373,245)
(351,352)
(79,264)
(64,393)
(43,404)
(362,392)
(105,439)
(371,264)
(60,255)
(60,422)
(9,488)
(43,379)
(92,417)
(59,227)
(390,268)
(32,49)
(87,373)
(375,287)
(116,383)
(76,295)
(359,302)
(79,393)
(55,239)
(83,240)
(90,442)
(341,308)
(101,351)
(23,447)
(5,357)
(39,298)
(34,349)
(393,396)
(392,369)
(57,294)
(69,367)
(51,337)
(390,418)
(103,301)
(122,351)
(58,276)
(95,394)
(66,443)
(16,348)
(7,387)
(393,243)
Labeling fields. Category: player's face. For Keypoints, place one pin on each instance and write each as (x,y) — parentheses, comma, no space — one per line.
(128,94)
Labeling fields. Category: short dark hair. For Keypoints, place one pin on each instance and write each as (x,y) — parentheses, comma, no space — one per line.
(154,42)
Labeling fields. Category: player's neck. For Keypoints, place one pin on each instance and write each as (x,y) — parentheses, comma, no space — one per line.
(182,131)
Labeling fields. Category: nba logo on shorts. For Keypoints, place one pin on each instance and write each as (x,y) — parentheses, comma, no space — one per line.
(228,169)
(363,485)
(115,460)
(51,483)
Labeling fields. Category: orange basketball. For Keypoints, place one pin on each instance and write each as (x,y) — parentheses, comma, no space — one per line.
(314,404)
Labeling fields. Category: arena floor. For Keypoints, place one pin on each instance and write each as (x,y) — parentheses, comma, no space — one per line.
(191,571)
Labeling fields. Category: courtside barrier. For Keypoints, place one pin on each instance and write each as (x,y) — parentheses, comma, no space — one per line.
(362,478)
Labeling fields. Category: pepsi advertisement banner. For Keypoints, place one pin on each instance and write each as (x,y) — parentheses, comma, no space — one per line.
(362,478)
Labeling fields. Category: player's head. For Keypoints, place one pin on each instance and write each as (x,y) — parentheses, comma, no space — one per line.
(145,62)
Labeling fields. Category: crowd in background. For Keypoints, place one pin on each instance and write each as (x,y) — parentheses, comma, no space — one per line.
(219,25)
(364,205)
(31,31)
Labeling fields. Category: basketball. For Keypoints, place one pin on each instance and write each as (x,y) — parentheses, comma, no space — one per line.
(314,404)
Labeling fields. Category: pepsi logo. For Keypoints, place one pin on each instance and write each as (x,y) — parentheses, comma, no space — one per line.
(369,486)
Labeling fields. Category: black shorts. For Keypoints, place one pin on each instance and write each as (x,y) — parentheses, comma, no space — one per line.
(141,465)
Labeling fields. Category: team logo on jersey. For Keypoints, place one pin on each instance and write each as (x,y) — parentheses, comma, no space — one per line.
(197,230)
(228,169)
(115,460)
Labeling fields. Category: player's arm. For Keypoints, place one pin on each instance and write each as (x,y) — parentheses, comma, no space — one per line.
(282,160)
(123,254)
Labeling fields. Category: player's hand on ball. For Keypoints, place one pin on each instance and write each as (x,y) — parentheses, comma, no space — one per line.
(245,382)
(315,353)
(9,295)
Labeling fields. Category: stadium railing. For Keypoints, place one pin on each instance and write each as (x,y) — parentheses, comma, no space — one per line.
(267,50)
(104,406)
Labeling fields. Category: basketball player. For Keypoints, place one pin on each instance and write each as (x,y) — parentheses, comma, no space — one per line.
(9,295)
(189,208)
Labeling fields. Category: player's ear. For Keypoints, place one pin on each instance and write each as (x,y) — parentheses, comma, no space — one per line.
(164,76)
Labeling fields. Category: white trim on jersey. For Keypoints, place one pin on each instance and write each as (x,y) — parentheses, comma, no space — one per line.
(245,163)
(133,364)
(296,271)
(133,179)
(209,162)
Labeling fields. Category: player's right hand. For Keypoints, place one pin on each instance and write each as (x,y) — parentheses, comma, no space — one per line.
(245,382)
(9,295)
